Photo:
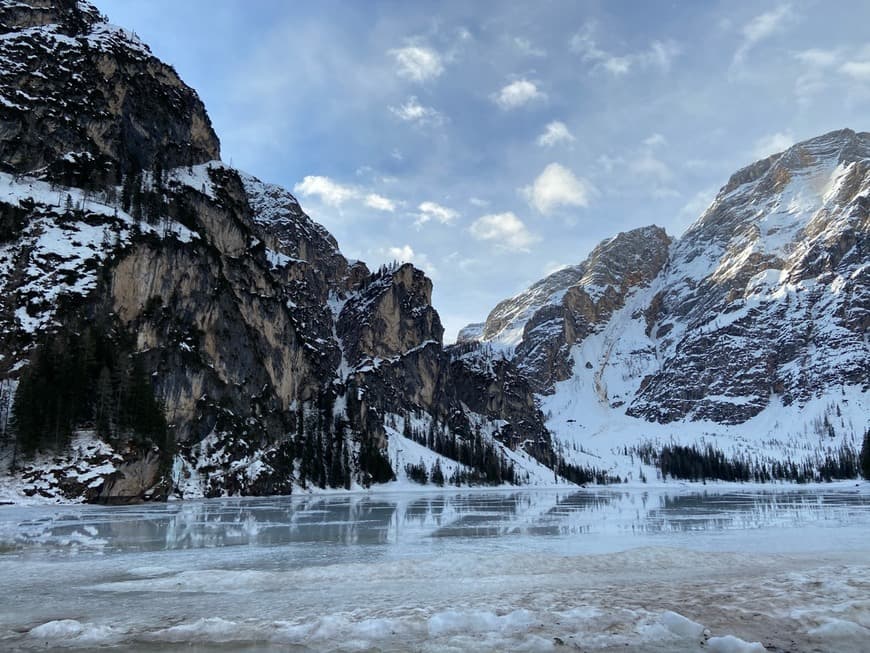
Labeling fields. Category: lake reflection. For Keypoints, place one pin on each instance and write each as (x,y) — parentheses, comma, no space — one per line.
(354,520)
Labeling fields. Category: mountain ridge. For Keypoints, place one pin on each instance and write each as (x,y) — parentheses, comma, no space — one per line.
(202,335)
(171,326)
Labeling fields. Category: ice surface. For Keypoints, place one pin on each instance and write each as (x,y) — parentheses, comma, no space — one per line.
(526,570)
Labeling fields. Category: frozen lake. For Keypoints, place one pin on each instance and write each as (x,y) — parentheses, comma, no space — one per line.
(592,570)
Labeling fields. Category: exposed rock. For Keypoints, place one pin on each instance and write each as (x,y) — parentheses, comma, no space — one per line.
(85,101)
(765,297)
(276,362)
(565,307)
(389,315)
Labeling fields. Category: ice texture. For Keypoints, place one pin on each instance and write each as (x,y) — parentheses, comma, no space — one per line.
(529,570)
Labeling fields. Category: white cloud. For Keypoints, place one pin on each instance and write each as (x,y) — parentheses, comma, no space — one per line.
(335,194)
(818,57)
(760,28)
(379,202)
(413,111)
(857,70)
(419,64)
(824,72)
(329,191)
(610,163)
(654,140)
(406,254)
(659,55)
(526,47)
(557,186)
(432,211)
(518,93)
(772,144)
(505,230)
(554,133)
(647,165)
(476,201)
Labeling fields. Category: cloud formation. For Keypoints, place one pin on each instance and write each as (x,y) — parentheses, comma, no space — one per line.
(432,211)
(555,133)
(659,55)
(414,112)
(517,94)
(761,28)
(838,70)
(525,47)
(380,203)
(557,186)
(417,63)
(406,254)
(773,144)
(505,230)
(330,192)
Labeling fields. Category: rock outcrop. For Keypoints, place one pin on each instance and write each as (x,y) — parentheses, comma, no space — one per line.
(764,299)
(138,264)
(545,321)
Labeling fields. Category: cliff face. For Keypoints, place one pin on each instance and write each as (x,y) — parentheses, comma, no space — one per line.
(762,303)
(542,323)
(137,263)
(88,99)
(767,294)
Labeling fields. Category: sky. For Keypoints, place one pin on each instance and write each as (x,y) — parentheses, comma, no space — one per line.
(490,143)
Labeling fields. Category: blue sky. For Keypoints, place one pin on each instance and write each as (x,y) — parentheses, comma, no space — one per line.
(490,143)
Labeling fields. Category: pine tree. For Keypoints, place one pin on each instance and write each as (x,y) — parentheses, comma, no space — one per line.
(865,456)
(436,476)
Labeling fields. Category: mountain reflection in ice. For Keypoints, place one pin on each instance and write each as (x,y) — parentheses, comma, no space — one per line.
(494,570)
(336,521)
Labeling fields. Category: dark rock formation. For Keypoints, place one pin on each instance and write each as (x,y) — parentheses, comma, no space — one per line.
(276,363)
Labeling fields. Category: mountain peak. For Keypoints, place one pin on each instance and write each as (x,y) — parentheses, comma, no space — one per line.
(83,99)
(71,17)
(842,145)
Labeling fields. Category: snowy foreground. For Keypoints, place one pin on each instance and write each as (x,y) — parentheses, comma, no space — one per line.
(594,570)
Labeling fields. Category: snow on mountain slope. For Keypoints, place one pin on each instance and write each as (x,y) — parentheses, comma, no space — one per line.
(751,334)
(768,294)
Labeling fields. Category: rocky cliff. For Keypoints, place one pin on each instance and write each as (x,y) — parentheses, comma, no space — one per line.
(751,326)
(170,325)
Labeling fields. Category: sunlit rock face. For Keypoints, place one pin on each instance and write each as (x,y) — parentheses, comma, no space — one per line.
(542,323)
(765,298)
(768,294)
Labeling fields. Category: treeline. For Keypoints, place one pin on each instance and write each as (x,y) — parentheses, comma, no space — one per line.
(488,465)
(864,458)
(320,447)
(86,379)
(584,475)
(145,198)
(695,463)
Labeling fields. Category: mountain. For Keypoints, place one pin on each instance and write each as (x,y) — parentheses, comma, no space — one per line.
(171,326)
(747,333)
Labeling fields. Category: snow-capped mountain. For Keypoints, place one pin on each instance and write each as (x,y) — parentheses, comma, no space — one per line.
(756,317)
(169,324)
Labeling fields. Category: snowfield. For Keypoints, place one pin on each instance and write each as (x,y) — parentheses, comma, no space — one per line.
(526,570)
